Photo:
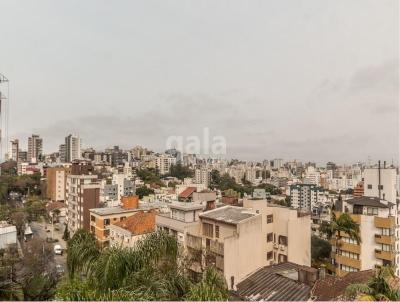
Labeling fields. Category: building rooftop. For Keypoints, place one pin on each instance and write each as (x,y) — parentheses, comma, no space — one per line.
(229,214)
(274,283)
(186,206)
(139,223)
(121,210)
(187,192)
(369,201)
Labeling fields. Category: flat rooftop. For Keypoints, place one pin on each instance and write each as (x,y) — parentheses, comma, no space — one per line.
(186,206)
(121,210)
(229,214)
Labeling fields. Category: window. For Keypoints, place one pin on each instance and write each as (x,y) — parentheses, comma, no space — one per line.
(372,211)
(270,237)
(387,232)
(270,255)
(380,187)
(348,240)
(283,240)
(348,268)
(217,231)
(92,218)
(270,218)
(386,247)
(349,255)
(369,187)
(106,221)
(208,230)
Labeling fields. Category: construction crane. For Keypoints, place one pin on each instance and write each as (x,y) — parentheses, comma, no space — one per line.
(4,109)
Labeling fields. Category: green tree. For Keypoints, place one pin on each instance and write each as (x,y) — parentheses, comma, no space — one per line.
(144,191)
(179,171)
(149,176)
(320,250)
(212,287)
(338,226)
(377,289)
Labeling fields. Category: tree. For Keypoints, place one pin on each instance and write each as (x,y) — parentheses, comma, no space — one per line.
(211,288)
(179,171)
(148,271)
(342,225)
(144,191)
(377,289)
(149,176)
(19,220)
(66,234)
(320,249)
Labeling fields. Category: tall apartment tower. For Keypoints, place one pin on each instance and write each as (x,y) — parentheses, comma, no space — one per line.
(14,149)
(381,182)
(72,148)
(203,176)
(35,148)
(82,194)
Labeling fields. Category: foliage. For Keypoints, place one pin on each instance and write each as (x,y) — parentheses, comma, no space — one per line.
(320,249)
(343,224)
(148,271)
(271,189)
(179,171)
(377,289)
(35,208)
(18,218)
(149,176)
(211,288)
(144,191)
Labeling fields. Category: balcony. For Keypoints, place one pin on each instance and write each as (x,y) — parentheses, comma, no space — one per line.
(384,239)
(354,248)
(348,261)
(193,242)
(382,222)
(216,247)
(389,256)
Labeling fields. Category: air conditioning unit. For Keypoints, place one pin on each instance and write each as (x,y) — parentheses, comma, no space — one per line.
(282,248)
(275,246)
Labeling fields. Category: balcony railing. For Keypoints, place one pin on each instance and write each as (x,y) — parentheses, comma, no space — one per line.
(193,242)
(217,247)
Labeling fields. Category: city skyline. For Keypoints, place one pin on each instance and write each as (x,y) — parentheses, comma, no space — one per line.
(307,80)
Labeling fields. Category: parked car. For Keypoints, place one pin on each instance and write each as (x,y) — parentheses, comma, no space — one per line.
(58,250)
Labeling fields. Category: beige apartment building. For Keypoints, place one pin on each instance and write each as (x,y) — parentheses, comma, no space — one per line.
(286,232)
(57,183)
(230,238)
(379,231)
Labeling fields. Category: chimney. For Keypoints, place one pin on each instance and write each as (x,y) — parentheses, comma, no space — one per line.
(130,202)
(307,275)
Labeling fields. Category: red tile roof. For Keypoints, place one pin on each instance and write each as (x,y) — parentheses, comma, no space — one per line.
(139,223)
(187,192)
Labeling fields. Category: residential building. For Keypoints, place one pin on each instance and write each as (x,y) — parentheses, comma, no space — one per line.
(82,194)
(379,232)
(8,234)
(202,176)
(13,153)
(306,196)
(57,182)
(381,182)
(358,190)
(35,148)
(232,238)
(178,218)
(102,218)
(164,162)
(126,233)
(72,148)
(286,232)
(62,153)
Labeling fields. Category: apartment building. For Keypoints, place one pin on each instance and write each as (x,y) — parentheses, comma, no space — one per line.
(72,148)
(35,148)
(381,182)
(306,196)
(232,240)
(179,218)
(202,176)
(57,183)
(102,218)
(14,150)
(82,194)
(286,232)
(127,232)
(164,162)
(379,232)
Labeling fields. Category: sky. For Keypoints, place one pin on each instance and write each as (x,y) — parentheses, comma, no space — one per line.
(308,80)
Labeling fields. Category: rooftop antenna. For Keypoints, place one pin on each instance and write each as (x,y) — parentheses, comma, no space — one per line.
(4,109)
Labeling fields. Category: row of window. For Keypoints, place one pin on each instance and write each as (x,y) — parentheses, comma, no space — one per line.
(348,240)
(208,230)
(281,239)
(349,254)
(347,268)
(281,258)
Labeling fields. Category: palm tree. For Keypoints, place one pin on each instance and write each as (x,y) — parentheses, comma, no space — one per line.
(377,289)
(338,226)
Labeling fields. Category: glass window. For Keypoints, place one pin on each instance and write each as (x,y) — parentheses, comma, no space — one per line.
(270,218)
(270,255)
(208,230)
(270,237)
(217,231)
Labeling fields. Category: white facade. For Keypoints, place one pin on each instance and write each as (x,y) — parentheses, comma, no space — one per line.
(203,176)
(164,163)
(387,178)
(8,234)
(72,148)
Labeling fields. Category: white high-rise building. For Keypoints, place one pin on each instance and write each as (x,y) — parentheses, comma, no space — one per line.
(13,150)
(381,182)
(72,148)
(203,176)
(164,163)
(35,148)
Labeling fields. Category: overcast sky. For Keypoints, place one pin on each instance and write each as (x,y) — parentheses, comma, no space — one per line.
(311,80)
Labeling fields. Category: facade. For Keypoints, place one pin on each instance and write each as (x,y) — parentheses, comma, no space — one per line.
(306,196)
(202,176)
(381,182)
(8,234)
(286,233)
(127,232)
(57,182)
(232,240)
(72,148)
(62,153)
(164,162)
(359,190)
(82,194)
(179,218)
(379,234)
(35,148)
(14,150)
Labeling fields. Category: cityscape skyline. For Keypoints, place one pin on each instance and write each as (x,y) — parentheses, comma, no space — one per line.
(285,97)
